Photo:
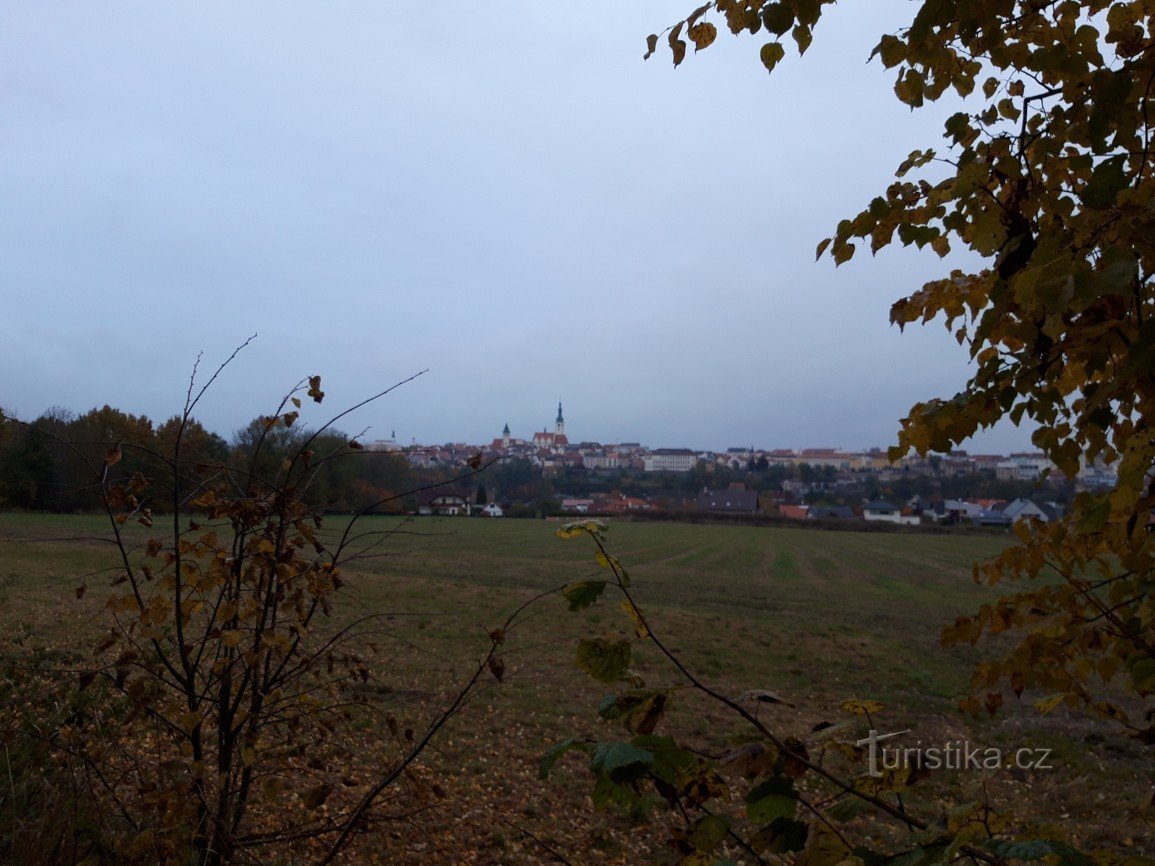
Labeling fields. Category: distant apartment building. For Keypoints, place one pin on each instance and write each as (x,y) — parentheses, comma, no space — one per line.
(780,457)
(957,463)
(604,461)
(1023,467)
(670,460)
(1096,475)
(823,457)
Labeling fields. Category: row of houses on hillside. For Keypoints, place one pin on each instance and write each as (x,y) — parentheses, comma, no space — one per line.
(552,450)
(994,512)
(985,512)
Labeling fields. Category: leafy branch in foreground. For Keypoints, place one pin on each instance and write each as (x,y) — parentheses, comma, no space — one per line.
(814,797)
(1047,176)
(228,714)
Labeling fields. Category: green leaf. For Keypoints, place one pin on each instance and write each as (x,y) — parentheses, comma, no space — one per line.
(582,593)
(1034,849)
(1142,671)
(708,833)
(638,711)
(620,761)
(605,660)
(920,856)
(1039,849)
(608,793)
(781,836)
(1106,181)
(545,765)
(846,809)
(670,759)
(774,798)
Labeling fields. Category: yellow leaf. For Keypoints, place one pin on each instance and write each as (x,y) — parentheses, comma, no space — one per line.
(639,624)
(861,708)
(770,54)
(703,35)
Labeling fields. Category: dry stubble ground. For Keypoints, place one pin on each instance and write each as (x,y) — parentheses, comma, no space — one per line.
(817,617)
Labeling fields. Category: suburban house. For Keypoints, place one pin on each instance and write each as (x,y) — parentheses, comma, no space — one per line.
(619,503)
(728,502)
(956,509)
(885,512)
(444,500)
(991,517)
(830,512)
(794,512)
(491,509)
(1025,509)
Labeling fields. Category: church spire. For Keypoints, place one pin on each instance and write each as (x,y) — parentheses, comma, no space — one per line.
(559,426)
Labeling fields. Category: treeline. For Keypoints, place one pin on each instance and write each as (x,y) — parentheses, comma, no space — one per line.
(55,462)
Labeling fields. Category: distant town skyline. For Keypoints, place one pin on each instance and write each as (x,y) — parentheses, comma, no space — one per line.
(360,425)
(538,214)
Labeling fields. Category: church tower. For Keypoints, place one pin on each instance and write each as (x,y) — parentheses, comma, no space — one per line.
(505,437)
(559,425)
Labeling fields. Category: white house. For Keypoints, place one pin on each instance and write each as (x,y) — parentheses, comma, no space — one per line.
(887,513)
(1024,509)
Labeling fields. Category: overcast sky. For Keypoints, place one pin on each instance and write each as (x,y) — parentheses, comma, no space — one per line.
(504,194)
